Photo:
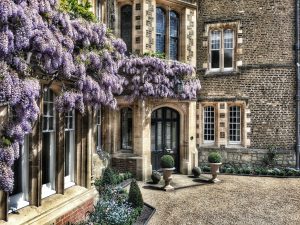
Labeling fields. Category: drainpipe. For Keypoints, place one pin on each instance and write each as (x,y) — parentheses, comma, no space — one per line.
(297,48)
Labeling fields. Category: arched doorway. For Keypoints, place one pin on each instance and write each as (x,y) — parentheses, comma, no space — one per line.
(164,136)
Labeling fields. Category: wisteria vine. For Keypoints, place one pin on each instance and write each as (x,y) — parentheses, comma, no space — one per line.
(38,41)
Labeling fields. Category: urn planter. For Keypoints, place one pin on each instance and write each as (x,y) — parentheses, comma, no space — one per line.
(214,167)
(167,175)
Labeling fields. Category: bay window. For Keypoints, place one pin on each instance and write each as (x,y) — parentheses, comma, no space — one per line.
(126,129)
(209,124)
(234,125)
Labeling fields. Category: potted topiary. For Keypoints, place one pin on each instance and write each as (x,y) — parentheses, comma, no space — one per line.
(167,164)
(196,171)
(214,159)
(155,177)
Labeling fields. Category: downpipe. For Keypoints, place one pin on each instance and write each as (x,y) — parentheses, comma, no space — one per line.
(297,48)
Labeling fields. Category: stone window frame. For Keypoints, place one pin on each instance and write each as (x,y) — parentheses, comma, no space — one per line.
(237,42)
(222,117)
(167,9)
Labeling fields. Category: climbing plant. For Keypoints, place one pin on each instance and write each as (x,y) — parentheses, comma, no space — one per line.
(40,40)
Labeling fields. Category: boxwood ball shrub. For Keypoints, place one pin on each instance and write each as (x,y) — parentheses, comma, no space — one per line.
(155,176)
(196,171)
(214,157)
(167,161)
(135,196)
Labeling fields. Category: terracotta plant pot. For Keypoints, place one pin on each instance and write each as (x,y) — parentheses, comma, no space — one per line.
(167,175)
(214,168)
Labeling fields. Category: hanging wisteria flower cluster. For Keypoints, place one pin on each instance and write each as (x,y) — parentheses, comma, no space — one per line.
(38,41)
(154,77)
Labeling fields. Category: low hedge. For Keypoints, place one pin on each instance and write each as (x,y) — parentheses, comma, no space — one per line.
(111,177)
(243,170)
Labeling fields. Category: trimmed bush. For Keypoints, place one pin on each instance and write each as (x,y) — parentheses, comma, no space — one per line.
(135,196)
(214,157)
(167,161)
(155,177)
(196,171)
(109,177)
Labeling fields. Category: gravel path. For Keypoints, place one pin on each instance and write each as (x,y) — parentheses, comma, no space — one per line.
(237,200)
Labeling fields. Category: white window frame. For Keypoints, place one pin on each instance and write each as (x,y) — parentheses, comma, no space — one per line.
(49,188)
(69,180)
(240,125)
(221,50)
(214,124)
(98,10)
(20,200)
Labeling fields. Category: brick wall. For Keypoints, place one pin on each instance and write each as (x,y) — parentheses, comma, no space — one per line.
(265,76)
(76,215)
(124,165)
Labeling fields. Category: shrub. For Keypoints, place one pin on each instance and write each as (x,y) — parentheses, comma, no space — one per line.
(214,157)
(206,168)
(109,177)
(196,171)
(167,161)
(155,176)
(135,196)
(113,208)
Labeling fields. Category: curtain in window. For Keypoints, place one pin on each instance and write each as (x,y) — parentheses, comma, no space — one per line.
(126,26)
(160,30)
(174,35)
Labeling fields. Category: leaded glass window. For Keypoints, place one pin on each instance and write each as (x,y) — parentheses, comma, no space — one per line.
(174,35)
(228,48)
(209,124)
(126,26)
(235,124)
(160,30)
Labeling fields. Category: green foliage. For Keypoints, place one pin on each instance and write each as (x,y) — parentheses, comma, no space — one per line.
(214,157)
(155,54)
(206,168)
(5,141)
(109,177)
(155,176)
(135,196)
(76,9)
(270,158)
(167,161)
(196,171)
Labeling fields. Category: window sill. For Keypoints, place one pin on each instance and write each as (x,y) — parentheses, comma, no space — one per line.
(221,73)
(53,207)
(17,202)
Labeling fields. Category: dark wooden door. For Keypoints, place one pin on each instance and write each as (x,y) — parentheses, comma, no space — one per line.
(164,136)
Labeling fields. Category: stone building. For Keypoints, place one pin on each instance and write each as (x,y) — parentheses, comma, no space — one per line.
(139,133)
(246,64)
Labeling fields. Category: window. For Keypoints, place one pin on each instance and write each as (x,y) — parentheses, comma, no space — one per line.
(19,197)
(160,30)
(126,26)
(98,129)
(48,150)
(98,10)
(209,124)
(69,148)
(126,129)
(174,35)
(221,50)
(234,125)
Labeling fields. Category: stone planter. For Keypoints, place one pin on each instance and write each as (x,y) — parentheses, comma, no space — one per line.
(167,175)
(214,168)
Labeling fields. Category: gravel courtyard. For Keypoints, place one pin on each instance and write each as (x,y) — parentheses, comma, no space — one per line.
(237,200)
